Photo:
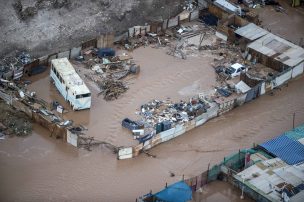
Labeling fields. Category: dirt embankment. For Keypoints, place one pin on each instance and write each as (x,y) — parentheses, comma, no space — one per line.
(13,122)
(46,26)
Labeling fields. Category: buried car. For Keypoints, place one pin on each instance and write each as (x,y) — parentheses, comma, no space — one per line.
(235,70)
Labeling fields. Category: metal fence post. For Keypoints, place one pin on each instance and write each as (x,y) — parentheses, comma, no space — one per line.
(208,173)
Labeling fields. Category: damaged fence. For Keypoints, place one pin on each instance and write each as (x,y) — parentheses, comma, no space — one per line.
(37,110)
(218,107)
(229,166)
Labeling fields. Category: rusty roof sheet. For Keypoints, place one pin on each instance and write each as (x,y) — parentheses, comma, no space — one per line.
(279,48)
(251,31)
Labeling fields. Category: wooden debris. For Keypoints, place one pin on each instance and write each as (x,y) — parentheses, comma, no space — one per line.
(112,89)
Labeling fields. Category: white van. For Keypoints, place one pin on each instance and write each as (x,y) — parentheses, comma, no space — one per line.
(69,84)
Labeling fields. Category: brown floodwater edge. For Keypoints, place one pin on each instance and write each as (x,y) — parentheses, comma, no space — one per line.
(41,168)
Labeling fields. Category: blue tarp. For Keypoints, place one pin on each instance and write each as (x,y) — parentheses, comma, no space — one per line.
(178,192)
(289,150)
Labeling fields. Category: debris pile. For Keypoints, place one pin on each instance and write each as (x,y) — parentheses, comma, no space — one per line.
(149,39)
(180,112)
(12,67)
(25,13)
(14,122)
(261,72)
(157,116)
(110,73)
(190,39)
(225,55)
(111,88)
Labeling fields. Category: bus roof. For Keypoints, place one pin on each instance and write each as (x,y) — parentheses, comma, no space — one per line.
(70,76)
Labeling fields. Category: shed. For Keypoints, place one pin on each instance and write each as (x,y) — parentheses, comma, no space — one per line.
(226,5)
(278,52)
(289,150)
(242,87)
(251,32)
(298,197)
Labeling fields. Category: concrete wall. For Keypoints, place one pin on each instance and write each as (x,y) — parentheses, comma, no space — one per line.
(173,22)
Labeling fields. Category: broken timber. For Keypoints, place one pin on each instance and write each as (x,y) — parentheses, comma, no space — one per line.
(36,109)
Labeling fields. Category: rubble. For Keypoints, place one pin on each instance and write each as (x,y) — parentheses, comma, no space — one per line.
(261,72)
(14,122)
(12,67)
(25,13)
(111,89)
(157,116)
(109,73)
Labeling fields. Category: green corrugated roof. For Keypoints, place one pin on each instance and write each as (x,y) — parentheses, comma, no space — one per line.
(296,133)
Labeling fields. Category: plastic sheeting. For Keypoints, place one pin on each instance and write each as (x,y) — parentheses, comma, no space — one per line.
(178,192)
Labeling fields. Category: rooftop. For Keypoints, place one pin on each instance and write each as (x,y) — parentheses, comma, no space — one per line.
(280,49)
(251,31)
(271,176)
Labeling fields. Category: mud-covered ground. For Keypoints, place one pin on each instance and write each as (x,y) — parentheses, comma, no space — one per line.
(13,122)
(58,26)
(288,24)
(39,168)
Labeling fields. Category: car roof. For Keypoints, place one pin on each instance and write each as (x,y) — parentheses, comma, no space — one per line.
(237,65)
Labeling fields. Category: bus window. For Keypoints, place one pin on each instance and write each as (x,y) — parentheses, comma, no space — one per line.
(54,70)
(83,95)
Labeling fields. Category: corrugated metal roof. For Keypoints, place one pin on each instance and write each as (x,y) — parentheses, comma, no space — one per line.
(294,134)
(299,129)
(289,176)
(242,86)
(262,177)
(298,197)
(289,150)
(251,31)
(226,5)
(301,140)
(265,175)
(270,45)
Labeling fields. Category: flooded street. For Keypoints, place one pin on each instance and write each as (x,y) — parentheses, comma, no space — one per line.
(39,168)
(220,191)
(161,78)
(288,24)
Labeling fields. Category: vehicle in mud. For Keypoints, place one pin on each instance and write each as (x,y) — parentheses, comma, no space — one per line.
(235,70)
(231,71)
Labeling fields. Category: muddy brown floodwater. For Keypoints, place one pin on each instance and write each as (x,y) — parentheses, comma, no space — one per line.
(220,191)
(39,168)
(288,24)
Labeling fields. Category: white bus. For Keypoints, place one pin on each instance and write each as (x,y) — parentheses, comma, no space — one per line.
(69,84)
